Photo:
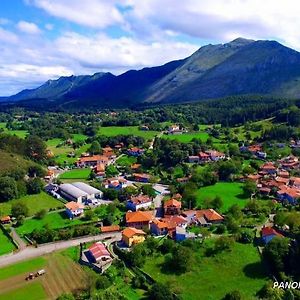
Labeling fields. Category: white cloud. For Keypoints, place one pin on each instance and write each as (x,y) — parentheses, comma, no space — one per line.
(92,13)
(220,20)
(49,26)
(7,36)
(28,27)
(102,52)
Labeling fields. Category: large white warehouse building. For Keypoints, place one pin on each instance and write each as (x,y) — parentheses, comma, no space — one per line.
(79,192)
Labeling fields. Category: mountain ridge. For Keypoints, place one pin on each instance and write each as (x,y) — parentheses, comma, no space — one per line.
(240,67)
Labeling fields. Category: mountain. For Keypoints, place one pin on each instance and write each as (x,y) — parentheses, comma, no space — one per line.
(240,67)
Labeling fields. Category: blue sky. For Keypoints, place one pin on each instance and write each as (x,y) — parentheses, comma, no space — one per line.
(46,39)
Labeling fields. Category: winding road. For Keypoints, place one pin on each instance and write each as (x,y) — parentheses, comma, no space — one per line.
(32,252)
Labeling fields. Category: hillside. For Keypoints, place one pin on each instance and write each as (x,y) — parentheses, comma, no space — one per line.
(241,67)
(10,162)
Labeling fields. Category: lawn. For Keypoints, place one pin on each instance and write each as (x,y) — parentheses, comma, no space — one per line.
(54,220)
(213,277)
(230,192)
(187,137)
(76,174)
(126,161)
(35,203)
(6,245)
(22,267)
(32,291)
(128,130)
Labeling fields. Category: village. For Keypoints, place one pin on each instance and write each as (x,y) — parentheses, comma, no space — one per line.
(111,200)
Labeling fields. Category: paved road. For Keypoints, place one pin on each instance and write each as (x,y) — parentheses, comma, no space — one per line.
(21,244)
(31,252)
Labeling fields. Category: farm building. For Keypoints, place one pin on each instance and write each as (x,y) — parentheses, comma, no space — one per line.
(79,192)
(97,257)
(74,209)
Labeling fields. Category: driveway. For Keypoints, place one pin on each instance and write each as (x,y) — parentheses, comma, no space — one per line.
(31,252)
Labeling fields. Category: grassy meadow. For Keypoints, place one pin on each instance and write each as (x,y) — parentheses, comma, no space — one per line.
(213,277)
(35,203)
(128,130)
(230,192)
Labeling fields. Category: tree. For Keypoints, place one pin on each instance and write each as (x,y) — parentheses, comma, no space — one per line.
(217,203)
(249,188)
(89,215)
(8,189)
(95,148)
(19,209)
(34,186)
(137,257)
(223,243)
(276,253)
(41,214)
(35,148)
(159,291)
(66,297)
(234,295)
(147,189)
(180,260)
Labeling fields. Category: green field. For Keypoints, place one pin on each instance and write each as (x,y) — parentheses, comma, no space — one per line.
(6,245)
(61,151)
(22,267)
(187,137)
(19,133)
(35,203)
(126,161)
(241,131)
(128,130)
(230,192)
(54,220)
(211,278)
(33,291)
(76,174)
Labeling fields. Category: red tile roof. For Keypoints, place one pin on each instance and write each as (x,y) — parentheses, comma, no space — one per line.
(98,250)
(266,231)
(130,232)
(172,203)
(209,214)
(139,216)
(74,206)
(110,228)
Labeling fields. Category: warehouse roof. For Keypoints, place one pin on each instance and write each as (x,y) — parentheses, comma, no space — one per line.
(72,190)
(86,188)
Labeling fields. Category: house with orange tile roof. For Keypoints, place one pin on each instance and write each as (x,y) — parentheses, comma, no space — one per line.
(139,219)
(5,220)
(204,157)
(203,217)
(74,209)
(132,236)
(172,207)
(99,170)
(92,161)
(116,183)
(289,194)
(268,168)
(295,182)
(139,202)
(159,227)
(269,233)
(141,177)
